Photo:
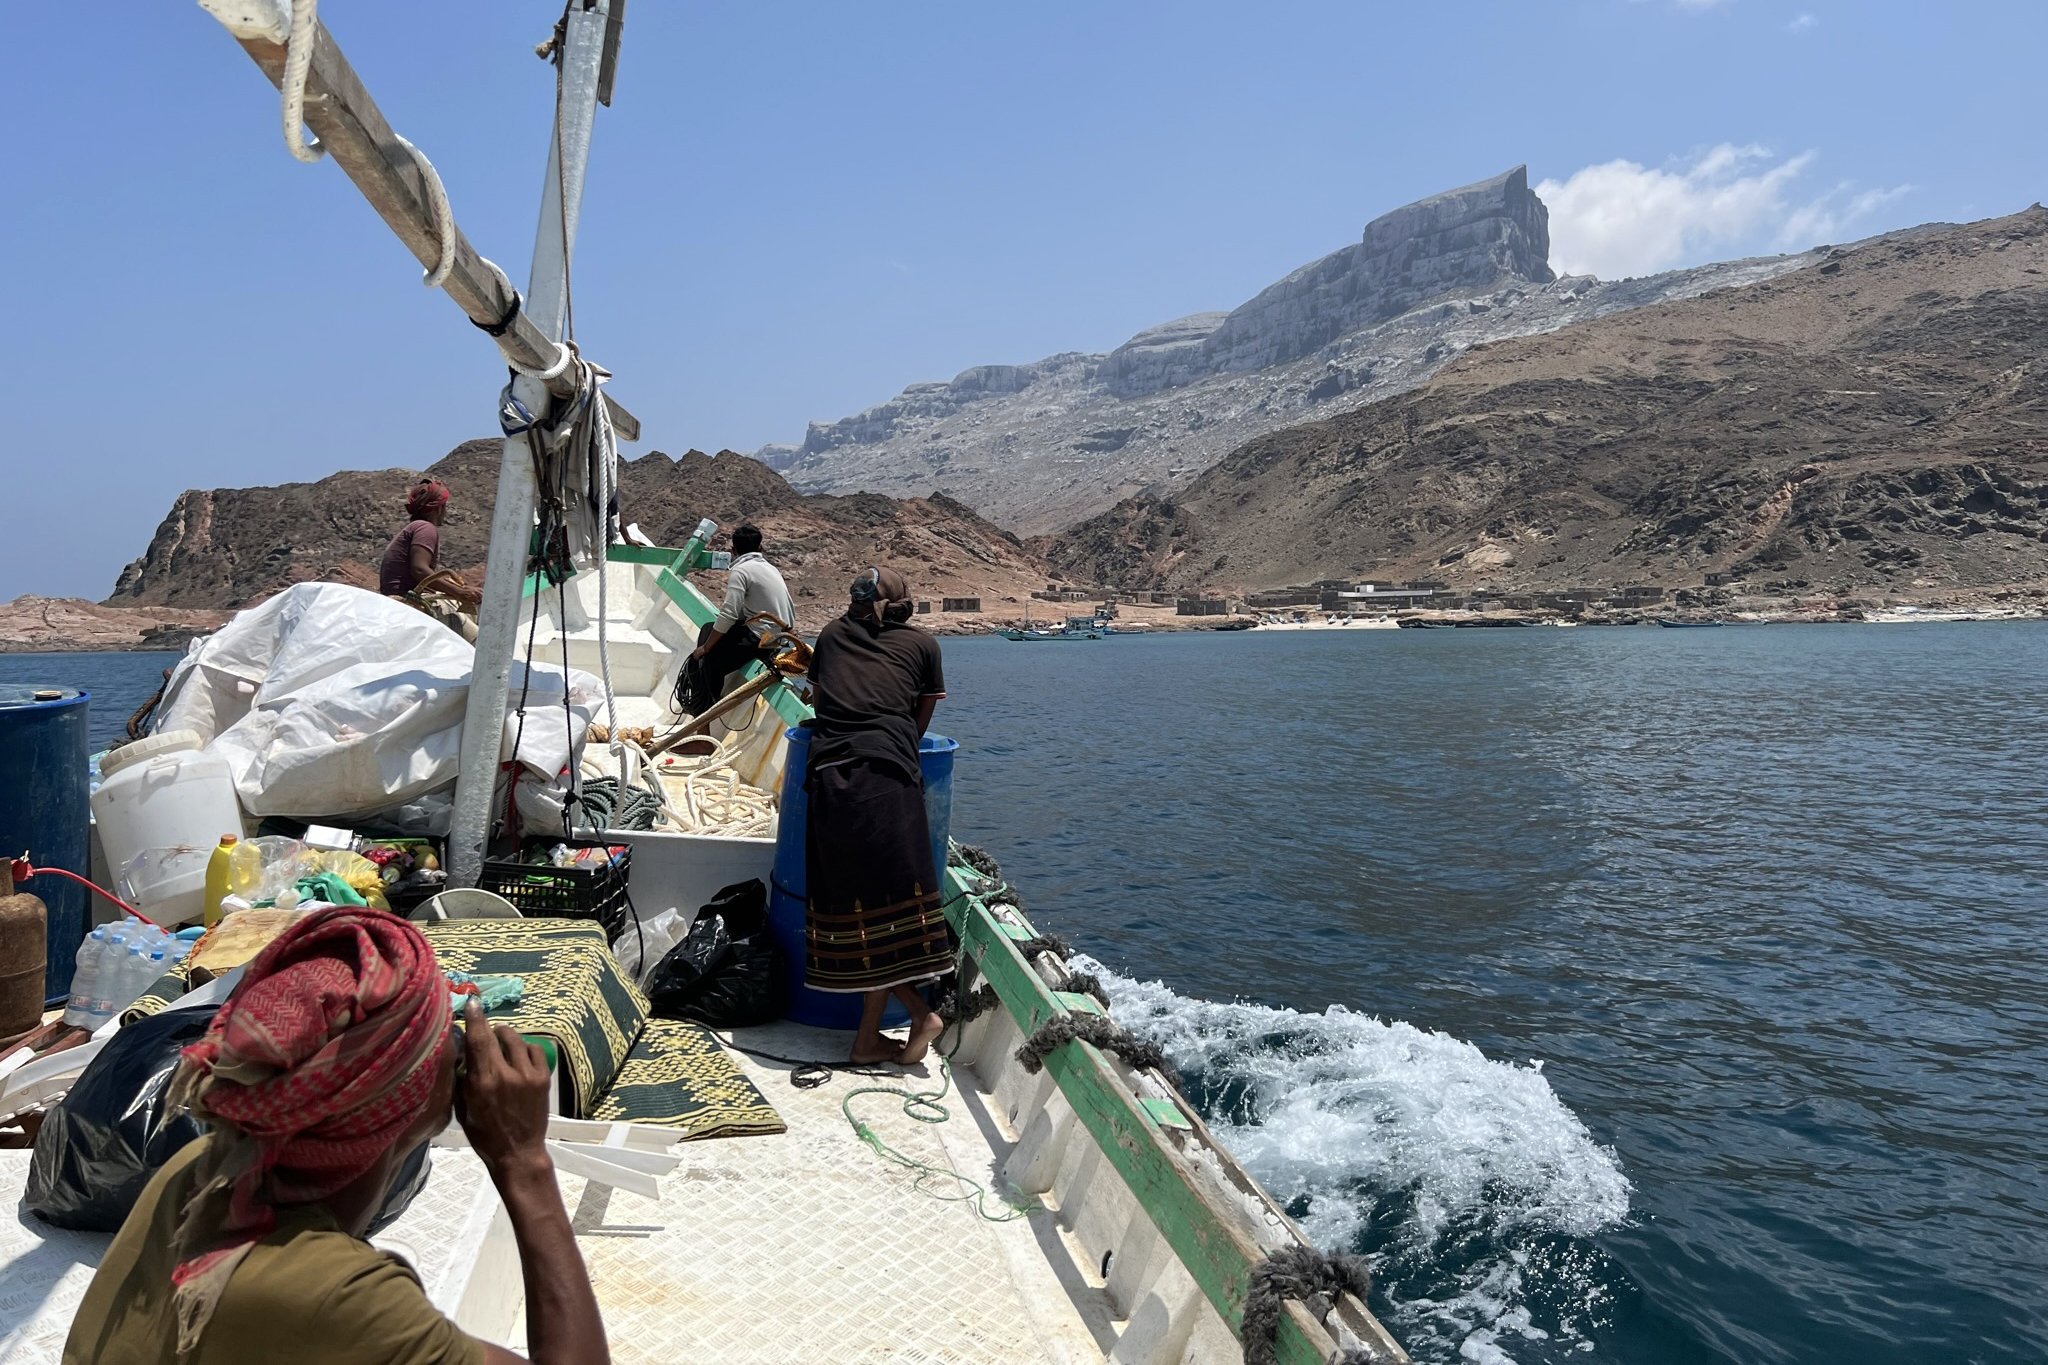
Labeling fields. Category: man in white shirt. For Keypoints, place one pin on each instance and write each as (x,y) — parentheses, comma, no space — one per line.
(752,586)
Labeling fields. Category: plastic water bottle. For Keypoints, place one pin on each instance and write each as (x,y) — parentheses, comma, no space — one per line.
(136,976)
(85,979)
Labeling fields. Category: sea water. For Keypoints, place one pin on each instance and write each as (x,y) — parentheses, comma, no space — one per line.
(1624,995)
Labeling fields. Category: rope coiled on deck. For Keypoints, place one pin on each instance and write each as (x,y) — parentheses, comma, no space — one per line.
(1296,1272)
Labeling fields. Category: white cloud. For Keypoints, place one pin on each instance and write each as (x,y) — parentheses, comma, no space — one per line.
(1620,218)
(1801,23)
(1824,219)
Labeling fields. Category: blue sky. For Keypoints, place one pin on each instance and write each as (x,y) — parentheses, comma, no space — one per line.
(796,209)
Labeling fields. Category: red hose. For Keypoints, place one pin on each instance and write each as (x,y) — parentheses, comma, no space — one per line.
(23,871)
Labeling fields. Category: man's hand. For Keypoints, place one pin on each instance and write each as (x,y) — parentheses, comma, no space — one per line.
(504,1105)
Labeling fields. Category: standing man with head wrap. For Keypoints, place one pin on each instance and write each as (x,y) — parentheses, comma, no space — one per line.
(873,922)
(332,1061)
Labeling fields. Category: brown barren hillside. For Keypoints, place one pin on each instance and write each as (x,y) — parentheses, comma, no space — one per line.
(1876,422)
(226,548)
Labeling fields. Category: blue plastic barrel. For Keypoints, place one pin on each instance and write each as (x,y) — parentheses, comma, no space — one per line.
(786,897)
(44,758)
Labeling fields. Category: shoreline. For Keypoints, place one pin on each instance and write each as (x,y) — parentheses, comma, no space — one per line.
(38,625)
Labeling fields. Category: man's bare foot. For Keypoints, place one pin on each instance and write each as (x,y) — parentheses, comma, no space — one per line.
(874,1056)
(922,1034)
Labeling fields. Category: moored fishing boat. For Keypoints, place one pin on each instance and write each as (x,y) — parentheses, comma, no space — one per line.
(1325,621)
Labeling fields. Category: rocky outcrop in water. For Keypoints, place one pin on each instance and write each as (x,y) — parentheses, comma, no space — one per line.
(69,624)
(1038,446)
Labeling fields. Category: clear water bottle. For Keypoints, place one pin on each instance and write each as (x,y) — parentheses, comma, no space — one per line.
(136,976)
(85,979)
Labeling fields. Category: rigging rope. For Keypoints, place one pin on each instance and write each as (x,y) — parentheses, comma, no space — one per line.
(298,60)
(444,216)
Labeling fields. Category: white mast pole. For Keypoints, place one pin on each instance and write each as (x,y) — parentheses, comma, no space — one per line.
(547,292)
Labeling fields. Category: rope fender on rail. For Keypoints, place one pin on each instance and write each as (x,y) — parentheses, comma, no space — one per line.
(1100,1030)
(1300,1273)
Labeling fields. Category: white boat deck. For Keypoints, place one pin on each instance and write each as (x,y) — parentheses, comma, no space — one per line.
(798,1247)
(810,1246)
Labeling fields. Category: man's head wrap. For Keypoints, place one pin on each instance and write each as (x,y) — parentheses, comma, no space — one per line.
(427,497)
(888,590)
(325,1056)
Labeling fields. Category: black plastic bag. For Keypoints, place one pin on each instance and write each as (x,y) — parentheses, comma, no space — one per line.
(727,972)
(105,1139)
(101,1144)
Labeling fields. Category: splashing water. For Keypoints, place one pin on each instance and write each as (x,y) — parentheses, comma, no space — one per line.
(1466,1182)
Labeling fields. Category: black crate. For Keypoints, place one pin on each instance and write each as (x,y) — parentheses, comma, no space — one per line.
(541,891)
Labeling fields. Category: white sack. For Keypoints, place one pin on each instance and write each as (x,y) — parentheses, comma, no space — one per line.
(331,701)
(293,640)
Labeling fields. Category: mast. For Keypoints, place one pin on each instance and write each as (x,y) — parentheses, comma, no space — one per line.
(402,187)
(547,294)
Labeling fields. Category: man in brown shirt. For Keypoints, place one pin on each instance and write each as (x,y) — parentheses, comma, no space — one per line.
(332,1061)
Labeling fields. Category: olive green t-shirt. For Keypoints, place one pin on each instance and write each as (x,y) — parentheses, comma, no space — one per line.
(308,1293)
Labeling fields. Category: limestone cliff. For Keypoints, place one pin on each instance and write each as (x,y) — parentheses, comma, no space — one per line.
(1874,424)
(1038,446)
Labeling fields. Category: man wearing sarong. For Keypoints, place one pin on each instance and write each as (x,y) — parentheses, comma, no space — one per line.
(873,923)
(334,1059)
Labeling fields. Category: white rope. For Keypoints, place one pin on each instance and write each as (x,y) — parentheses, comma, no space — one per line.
(711,799)
(564,353)
(444,216)
(298,60)
(606,451)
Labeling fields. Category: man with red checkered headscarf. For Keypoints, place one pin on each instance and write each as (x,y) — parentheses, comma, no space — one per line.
(330,1064)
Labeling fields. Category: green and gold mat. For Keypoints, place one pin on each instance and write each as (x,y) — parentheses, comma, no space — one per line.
(679,1075)
(618,1064)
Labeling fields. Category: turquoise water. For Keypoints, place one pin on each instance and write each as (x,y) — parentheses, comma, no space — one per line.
(1626,995)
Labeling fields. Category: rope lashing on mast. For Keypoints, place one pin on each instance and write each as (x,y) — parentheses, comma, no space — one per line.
(1300,1273)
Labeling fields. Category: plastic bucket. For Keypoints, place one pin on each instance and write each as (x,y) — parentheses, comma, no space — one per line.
(790,883)
(168,797)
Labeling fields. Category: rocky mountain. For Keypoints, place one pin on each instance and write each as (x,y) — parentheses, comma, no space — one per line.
(230,547)
(1039,446)
(1875,421)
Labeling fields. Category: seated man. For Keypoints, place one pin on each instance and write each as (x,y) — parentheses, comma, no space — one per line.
(332,1061)
(753,587)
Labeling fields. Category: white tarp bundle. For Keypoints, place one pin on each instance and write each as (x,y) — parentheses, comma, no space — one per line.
(328,700)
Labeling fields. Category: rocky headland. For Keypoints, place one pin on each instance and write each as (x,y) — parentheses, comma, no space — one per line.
(36,625)
(231,547)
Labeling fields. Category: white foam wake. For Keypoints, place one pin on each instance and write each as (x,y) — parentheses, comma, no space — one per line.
(1448,1168)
